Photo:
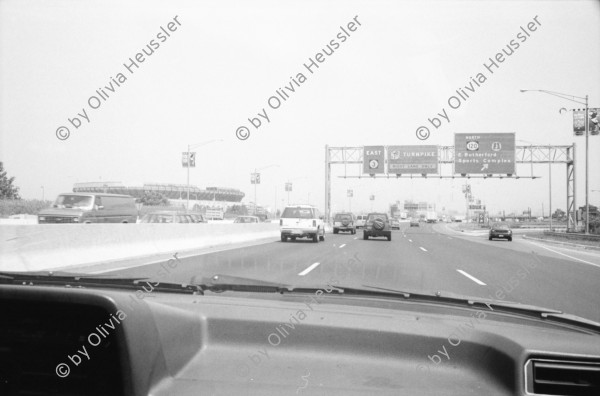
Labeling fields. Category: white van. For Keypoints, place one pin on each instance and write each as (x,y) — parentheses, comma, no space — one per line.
(90,208)
(361,220)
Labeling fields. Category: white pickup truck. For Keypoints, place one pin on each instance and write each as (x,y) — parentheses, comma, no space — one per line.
(301,221)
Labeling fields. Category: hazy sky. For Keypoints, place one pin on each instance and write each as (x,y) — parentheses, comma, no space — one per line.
(227,58)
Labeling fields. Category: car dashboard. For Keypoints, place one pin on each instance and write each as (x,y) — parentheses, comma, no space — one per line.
(86,341)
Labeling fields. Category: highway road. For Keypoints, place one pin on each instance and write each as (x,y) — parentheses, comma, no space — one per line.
(424,259)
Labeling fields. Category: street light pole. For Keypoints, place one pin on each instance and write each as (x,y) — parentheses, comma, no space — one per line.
(189,147)
(550,188)
(570,97)
(254,178)
(255,205)
(587,159)
(187,206)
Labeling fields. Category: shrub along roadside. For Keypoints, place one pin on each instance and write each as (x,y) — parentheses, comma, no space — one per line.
(9,207)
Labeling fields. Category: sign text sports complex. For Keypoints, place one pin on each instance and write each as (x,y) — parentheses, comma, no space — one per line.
(484,153)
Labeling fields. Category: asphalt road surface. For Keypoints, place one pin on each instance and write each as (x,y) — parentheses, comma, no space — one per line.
(424,259)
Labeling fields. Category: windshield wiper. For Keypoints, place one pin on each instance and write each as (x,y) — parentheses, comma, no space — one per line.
(67,279)
(492,305)
(222,283)
(217,283)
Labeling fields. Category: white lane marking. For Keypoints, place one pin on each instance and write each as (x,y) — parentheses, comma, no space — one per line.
(422,248)
(342,245)
(410,240)
(566,255)
(306,271)
(355,237)
(472,278)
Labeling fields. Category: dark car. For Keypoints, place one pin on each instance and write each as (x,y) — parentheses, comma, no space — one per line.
(377,225)
(344,222)
(500,231)
(247,219)
(168,217)
(198,217)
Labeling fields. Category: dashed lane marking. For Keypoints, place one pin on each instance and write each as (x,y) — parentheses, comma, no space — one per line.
(306,271)
(472,278)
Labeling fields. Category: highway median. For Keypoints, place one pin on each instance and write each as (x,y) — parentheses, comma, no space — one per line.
(71,246)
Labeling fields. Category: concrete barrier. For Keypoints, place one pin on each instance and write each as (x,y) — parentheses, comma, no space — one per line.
(59,246)
(18,221)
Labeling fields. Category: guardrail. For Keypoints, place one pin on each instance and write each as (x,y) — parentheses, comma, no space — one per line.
(574,236)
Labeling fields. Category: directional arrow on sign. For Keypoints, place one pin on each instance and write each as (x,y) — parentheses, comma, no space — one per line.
(485,166)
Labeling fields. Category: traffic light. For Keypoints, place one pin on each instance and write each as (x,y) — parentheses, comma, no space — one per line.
(593,125)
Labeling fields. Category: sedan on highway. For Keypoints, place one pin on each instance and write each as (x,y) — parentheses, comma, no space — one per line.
(247,219)
(395,224)
(500,231)
(198,217)
(414,223)
(167,216)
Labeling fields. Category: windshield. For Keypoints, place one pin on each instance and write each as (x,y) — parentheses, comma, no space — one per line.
(452,116)
(341,217)
(73,201)
(377,216)
(297,213)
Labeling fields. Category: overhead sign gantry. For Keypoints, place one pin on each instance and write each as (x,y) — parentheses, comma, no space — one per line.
(498,156)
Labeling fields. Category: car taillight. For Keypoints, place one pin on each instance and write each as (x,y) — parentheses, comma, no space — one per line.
(314,223)
(280,222)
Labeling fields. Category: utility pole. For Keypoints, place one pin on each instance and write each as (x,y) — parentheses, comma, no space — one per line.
(550,187)
(587,135)
(187,165)
(255,179)
(587,170)
(255,182)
